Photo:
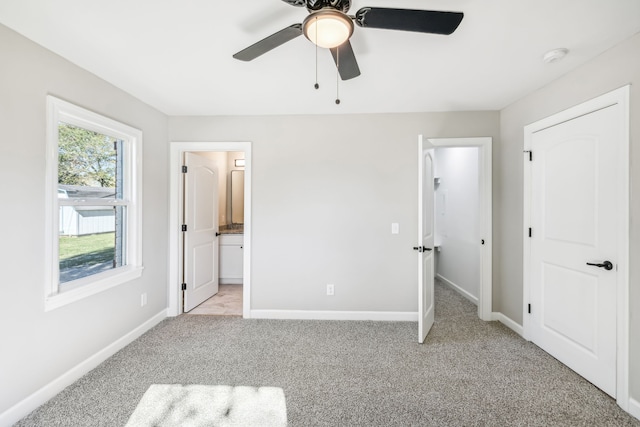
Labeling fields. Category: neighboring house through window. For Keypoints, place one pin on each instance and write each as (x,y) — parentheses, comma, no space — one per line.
(94,185)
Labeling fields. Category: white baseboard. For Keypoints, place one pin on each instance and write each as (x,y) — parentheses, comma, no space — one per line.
(27,405)
(457,288)
(400,316)
(507,322)
(634,408)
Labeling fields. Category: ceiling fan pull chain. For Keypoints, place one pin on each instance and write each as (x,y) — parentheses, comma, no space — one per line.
(317,86)
(338,75)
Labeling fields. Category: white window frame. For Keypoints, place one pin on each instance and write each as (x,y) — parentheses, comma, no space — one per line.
(63,111)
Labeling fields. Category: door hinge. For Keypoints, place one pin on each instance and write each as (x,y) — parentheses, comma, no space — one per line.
(529,308)
(530,233)
(184,227)
(184,286)
(530,154)
(184,169)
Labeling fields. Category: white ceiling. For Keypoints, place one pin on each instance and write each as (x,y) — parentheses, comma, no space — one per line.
(176,54)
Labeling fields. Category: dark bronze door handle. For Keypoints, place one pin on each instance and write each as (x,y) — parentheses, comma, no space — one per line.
(607,265)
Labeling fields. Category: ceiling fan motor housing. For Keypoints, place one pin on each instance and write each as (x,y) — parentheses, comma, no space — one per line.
(341,5)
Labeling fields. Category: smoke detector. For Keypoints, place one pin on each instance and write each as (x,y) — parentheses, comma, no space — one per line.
(555,55)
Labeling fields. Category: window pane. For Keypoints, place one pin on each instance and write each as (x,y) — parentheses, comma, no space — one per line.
(91,240)
(88,164)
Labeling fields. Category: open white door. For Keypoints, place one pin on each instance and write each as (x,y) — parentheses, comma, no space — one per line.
(425,239)
(200,266)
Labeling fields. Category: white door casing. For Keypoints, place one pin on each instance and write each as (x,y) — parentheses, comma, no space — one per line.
(426,307)
(200,240)
(576,203)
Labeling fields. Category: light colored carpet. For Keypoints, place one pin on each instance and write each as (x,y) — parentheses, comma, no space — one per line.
(468,373)
(175,405)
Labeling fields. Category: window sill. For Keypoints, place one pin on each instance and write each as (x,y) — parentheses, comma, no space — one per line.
(87,286)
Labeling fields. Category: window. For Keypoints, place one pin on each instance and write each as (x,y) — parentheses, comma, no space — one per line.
(93,200)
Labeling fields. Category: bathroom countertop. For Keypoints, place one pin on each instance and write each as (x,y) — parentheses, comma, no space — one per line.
(236,229)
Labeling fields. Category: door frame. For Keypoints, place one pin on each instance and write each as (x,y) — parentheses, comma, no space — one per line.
(484,145)
(621,97)
(176,154)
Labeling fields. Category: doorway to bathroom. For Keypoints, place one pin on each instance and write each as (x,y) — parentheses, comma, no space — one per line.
(229,200)
(213,239)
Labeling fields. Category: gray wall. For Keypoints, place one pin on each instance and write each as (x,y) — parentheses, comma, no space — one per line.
(611,70)
(325,191)
(457,217)
(38,347)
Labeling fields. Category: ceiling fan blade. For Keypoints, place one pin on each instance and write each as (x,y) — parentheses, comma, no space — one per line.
(345,60)
(269,43)
(422,21)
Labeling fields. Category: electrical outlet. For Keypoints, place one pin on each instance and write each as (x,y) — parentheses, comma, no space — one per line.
(330,289)
(143,299)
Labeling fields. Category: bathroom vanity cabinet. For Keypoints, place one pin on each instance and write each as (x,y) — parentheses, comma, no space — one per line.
(231,255)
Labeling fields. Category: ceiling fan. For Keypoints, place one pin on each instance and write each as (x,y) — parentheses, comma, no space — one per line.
(329,26)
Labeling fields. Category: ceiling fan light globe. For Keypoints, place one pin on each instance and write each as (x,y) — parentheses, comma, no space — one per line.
(328,28)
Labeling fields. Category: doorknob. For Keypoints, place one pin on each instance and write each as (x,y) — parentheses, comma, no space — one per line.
(607,265)
(422,248)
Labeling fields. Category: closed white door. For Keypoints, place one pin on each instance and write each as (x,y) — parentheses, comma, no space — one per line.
(574,243)
(201,221)
(425,240)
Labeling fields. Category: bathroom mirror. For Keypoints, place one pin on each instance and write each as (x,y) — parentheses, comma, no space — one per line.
(237,197)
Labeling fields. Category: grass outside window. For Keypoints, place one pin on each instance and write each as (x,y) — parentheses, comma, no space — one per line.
(86,250)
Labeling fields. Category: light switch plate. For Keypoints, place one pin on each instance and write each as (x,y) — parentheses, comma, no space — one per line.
(395,228)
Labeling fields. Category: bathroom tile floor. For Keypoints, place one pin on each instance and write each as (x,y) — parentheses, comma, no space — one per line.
(227,302)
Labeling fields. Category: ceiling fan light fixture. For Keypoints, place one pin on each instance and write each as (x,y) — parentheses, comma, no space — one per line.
(328,28)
